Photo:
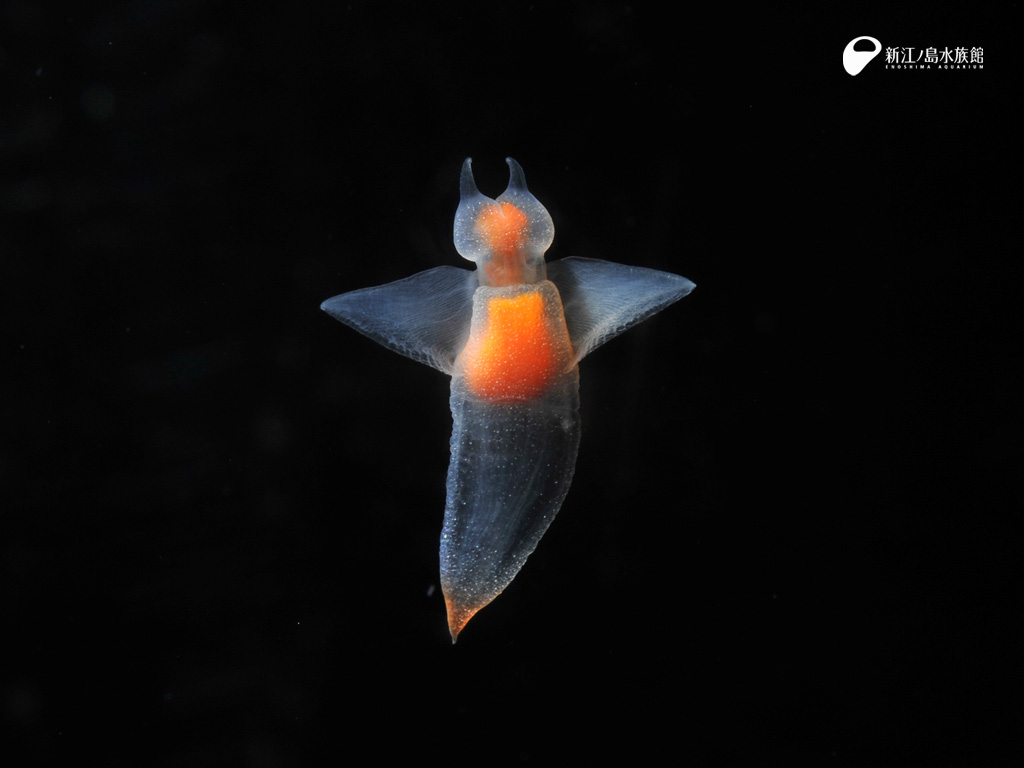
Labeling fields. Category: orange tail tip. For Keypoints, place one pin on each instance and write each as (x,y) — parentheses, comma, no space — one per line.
(459,615)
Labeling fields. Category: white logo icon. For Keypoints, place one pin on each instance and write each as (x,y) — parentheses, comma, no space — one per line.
(855,61)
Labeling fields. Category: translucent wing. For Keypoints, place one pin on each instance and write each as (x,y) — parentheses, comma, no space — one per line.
(603,299)
(425,317)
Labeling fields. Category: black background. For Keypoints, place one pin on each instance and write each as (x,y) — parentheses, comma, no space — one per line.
(794,533)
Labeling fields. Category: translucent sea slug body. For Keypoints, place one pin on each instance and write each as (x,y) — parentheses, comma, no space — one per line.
(511,335)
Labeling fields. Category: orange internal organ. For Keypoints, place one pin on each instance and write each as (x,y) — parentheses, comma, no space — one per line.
(504,228)
(515,355)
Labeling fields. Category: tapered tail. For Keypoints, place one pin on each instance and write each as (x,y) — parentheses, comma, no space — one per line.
(511,467)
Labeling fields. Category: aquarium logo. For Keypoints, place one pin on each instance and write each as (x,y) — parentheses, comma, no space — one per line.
(854,61)
(958,57)
(911,57)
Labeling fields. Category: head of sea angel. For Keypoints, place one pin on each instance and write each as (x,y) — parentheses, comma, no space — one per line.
(507,237)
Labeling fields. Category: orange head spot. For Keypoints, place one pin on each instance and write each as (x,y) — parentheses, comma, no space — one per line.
(504,228)
(514,357)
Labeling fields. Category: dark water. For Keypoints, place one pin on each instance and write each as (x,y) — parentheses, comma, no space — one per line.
(794,532)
